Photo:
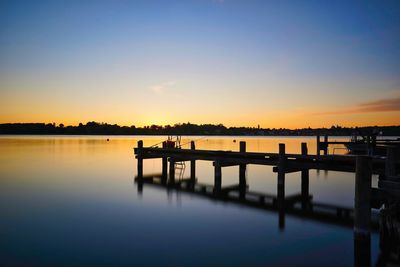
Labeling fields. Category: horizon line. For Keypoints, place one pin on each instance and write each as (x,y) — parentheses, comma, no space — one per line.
(202,124)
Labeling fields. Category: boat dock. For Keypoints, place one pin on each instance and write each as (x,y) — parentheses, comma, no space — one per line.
(299,205)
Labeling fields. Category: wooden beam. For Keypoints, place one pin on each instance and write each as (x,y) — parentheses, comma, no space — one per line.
(287,170)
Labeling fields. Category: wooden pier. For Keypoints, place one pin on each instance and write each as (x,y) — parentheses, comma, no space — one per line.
(300,205)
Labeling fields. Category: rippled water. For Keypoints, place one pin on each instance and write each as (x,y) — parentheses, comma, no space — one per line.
(72,201)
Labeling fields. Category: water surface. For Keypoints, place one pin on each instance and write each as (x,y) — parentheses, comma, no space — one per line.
(72,201)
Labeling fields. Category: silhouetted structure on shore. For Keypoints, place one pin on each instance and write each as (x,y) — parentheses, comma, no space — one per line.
(94,128)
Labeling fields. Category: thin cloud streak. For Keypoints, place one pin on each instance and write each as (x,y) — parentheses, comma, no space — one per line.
(383,105)
(160,88)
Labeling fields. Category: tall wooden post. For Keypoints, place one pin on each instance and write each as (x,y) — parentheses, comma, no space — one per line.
(362,211)
(326,145)
(390,163)
(318,145)
(164,165)
(304,180)
(139,159)
(362,252)
(171,170)
(242,172)
(362,200)
(281,186)
(192,165)
(217,177)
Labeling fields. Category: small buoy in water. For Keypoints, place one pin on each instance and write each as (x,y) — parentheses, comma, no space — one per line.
(108,139)
(234,140)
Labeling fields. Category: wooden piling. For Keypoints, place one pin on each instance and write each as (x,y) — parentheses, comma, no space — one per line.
(318,145)
(192,164)
(281,164)
(171,170)
(217,177)
(139,159)
(304,179)
(242,172)
(140,186)
(362,252)
(325,147)
(281,186)
(390,163)
(164,165)
(362,198)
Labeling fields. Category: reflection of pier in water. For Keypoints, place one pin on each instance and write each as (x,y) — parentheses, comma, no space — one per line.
(299,205)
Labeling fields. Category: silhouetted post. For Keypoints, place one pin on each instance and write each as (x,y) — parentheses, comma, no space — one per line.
(373,144)
(242,172)
(217,177)
(390,163)
(140,186)
(171,170)
(164,165)
(362,253)
(362,211)
(318,146)
(281,186)
(326,145)
(139,159)
(304,179)
(192,165)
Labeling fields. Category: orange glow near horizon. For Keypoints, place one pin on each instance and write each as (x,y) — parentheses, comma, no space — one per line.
(269,120)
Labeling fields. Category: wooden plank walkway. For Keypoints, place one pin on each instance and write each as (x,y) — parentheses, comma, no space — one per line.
(344,163)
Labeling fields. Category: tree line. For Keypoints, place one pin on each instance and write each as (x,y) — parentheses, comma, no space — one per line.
(95,128)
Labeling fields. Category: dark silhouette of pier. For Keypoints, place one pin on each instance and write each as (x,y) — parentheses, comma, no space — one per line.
(298,205)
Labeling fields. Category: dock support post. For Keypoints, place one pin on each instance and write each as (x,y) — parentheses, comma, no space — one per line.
(362,211)
(171,171)
(192,166)
(304,180)
(164,165)
(139,159)
(242,172)
(325,148)
(281,186)
(369,151)
(217,177)
(390,163)
(318,145)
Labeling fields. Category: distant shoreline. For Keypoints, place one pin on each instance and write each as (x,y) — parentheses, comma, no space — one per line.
(188,129)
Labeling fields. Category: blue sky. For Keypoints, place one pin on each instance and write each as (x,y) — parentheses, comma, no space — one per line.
(234,62)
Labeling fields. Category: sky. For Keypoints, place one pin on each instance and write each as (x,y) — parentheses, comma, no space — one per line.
(290,64)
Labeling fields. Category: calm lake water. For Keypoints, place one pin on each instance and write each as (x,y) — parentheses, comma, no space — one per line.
(72,201)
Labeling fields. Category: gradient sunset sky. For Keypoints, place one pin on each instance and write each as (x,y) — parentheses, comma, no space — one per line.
(241,63)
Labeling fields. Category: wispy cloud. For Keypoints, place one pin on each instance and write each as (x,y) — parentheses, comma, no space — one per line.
(162,87)
(382,105)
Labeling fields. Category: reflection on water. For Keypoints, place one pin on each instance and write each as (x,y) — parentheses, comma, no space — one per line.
(71,200)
